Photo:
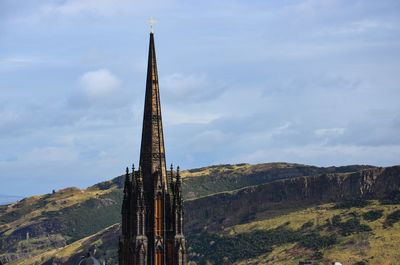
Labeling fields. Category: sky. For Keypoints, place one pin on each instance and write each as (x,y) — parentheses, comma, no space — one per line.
(311,81)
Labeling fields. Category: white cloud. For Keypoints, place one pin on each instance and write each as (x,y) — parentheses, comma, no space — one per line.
(16,62)
(13,63)
(175,117)
(93,8)
(8,117)
(51,154)
(74,7)
(99,83)
(330,132)
(360,26)
(192,87)
(323,155)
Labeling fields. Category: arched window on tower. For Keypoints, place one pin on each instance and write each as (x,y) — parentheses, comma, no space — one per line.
(181,254)
(159,215)
(141,253)
(159,256)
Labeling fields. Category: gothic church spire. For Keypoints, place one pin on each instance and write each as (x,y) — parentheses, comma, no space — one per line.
(152,153)
(152,214)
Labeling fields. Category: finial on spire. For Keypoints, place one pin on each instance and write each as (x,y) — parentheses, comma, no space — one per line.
(127,180)
(178,176)
(140,176)
(152,22)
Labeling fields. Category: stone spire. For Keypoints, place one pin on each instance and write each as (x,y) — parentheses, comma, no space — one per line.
(153,166)
(152,214)
(152,153)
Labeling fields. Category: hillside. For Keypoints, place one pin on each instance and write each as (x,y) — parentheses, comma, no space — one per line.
(324,234)
(66,223)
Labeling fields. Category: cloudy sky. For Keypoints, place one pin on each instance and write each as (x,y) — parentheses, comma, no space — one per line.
(312,81)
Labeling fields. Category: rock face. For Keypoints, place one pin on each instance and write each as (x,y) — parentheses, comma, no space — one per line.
(213,213)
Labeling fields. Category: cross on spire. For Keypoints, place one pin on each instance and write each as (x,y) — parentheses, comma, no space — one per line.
(152,22)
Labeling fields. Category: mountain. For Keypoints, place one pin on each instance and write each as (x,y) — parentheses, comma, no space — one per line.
(234,214)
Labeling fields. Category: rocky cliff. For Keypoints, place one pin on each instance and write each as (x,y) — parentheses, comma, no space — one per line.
(213,213)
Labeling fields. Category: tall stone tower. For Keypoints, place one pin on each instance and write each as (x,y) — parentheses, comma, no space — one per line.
(152,208)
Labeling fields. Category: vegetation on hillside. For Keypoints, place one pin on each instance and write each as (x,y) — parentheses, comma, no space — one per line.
(63,225)
(227,249)
(52,220)
(347,236)
(321,234)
